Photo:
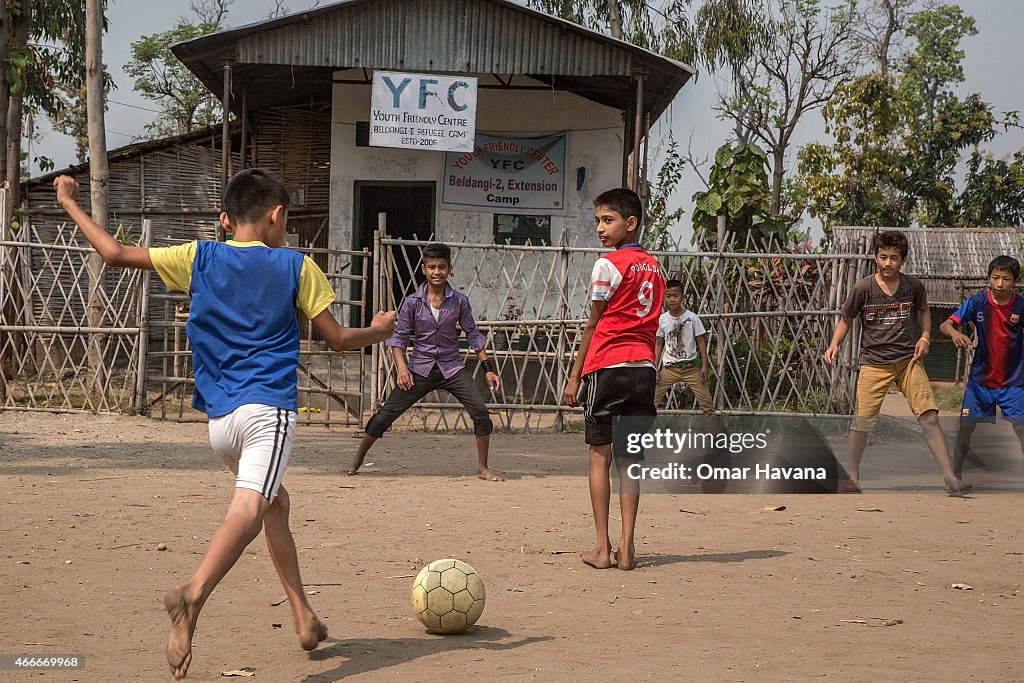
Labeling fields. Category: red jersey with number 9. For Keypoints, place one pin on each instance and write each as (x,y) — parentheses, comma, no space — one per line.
(632,283)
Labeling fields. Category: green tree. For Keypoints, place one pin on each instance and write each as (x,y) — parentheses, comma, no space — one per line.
(944,127)
(807,50)
(660,218)
(993,194)
(739,189)
(185,103)
(42,54)
(861,178)
(901,138)
(665,29)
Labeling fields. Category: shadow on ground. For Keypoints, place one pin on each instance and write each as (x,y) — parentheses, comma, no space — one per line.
(373,654)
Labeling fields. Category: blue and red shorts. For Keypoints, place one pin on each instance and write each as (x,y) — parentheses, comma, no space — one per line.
(980,403)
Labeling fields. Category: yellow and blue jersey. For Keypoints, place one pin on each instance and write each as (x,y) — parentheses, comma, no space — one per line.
(242,325)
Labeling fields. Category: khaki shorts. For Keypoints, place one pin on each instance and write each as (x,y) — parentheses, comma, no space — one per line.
(874,382)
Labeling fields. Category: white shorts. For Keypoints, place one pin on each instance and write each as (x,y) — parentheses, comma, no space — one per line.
(255,442)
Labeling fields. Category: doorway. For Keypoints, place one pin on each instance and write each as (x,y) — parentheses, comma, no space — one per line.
(409,212)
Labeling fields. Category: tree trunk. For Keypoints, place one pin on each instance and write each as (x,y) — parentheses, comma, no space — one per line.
(778,171)
(99,176)
(19,28)
(890,29)
(5,88)
(615,19)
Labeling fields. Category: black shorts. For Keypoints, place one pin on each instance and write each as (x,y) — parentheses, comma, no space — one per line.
(616,392)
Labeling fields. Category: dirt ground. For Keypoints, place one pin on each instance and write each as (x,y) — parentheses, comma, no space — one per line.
(849,587)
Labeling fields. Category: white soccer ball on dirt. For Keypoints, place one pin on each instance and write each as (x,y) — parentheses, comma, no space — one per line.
(448,596)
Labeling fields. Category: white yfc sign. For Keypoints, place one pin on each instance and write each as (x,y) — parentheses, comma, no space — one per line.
(419,111)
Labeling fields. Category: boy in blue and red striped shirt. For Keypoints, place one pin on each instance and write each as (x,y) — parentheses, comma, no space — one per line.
(997,372)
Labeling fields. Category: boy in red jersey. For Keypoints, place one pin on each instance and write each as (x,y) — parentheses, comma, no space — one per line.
(997,372)
(616,362)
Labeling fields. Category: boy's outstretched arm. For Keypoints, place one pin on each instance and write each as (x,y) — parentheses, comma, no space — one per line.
(952,330)
(842,329)
(340,338)
(597,308)
(113,252)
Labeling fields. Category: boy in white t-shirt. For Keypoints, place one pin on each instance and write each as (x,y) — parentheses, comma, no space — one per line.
(681,350)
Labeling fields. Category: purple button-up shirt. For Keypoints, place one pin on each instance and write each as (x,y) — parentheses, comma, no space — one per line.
(436,342)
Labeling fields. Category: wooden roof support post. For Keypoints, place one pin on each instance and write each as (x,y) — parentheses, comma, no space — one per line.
(225,140)
(636,179)
(627,121)
(243,152)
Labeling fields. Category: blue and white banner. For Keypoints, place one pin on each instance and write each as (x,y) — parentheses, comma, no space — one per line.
(423,111)
(507,175)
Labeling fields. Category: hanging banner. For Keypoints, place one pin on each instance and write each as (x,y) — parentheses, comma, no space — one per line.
(507,175)
(421,111)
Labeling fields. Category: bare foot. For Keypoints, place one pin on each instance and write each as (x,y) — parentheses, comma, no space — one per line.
(958,490)
(312,633)
(848,485)
(357,462)
(184,614)
(625,561)
(486,475)
(598,559)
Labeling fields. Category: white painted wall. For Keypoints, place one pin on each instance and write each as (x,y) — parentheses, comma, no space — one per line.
(594,141)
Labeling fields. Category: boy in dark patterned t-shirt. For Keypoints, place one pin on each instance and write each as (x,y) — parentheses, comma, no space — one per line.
(896,325)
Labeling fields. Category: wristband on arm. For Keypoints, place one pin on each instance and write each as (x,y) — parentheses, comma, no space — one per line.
(487,364)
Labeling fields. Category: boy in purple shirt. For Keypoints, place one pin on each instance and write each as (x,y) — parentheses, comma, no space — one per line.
(429,315)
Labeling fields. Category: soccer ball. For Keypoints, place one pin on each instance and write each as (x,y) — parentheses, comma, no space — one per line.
(448,596)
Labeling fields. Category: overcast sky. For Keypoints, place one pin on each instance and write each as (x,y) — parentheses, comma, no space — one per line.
(992,68)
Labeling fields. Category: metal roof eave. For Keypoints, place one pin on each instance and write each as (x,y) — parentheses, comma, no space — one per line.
(206,55)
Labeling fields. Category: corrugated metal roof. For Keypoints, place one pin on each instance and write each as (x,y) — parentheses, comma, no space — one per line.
(465,36)
(950,260)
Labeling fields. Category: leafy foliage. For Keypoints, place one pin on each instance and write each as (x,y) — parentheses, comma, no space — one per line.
(186,105)
(795,61)
(993,193)
(739,190)
(51,58)
(665,30)
(901,139)
(660,219)
(860,178)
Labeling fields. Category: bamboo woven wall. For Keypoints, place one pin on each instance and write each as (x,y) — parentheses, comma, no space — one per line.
(294,143)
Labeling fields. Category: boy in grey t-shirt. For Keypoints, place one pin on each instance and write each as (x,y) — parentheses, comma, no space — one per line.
(896,334)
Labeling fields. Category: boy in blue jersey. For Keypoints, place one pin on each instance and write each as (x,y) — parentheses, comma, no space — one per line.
(997,372)
(245,345)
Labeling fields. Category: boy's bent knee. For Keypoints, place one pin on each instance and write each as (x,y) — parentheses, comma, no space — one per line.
(376,426)
(247,503)
(483,426)
(929,418)
(281,503)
